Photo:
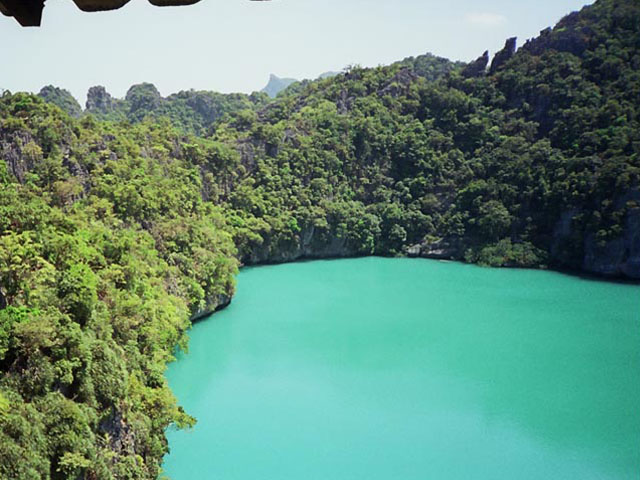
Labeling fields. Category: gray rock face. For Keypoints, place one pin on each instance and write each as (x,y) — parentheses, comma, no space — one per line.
(503,55)
(619,257)
(213,304)
(477,68)
(99,100)
(121,437)
(448,248)
(562,231)
(12,151)
(399,84)
(310,244)
(631,267)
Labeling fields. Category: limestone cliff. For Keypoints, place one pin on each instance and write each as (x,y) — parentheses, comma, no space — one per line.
(617,256)
(101,103)
(503,55)
(478,67)
(212,304)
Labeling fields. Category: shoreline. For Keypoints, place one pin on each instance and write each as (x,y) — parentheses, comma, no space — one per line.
(580,274)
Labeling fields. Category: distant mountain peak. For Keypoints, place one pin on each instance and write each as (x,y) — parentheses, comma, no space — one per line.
(277,84)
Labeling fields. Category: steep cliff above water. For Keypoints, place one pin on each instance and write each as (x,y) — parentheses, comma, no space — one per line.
(464,165)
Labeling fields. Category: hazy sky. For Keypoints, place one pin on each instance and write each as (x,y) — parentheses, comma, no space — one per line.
(233,45)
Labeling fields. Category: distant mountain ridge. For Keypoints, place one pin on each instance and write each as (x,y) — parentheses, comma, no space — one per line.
(192,110)
(196,110)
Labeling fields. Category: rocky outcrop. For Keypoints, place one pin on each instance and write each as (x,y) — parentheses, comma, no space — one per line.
(213,303)
(119,434)
(616,257)
(562,233)
(619,257)
(503,55)
(99,100)
(310,243)
(20,152)
(447,248)
(477,68)
(399,84)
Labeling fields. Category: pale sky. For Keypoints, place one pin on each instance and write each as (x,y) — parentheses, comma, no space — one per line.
(233,45)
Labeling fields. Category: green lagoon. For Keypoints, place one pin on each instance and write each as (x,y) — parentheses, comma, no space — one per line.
(412,369)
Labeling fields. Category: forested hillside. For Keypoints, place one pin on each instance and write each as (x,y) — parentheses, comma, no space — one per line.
(118,226)
(535,164)
(107,249)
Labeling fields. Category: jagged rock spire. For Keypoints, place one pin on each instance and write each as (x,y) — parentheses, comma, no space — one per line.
(503,55)
(478,67)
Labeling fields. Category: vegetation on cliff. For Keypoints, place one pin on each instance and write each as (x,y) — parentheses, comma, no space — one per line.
(536,164)
(118,226)
(107,249)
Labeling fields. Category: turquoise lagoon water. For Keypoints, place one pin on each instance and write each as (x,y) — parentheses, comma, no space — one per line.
(410,369)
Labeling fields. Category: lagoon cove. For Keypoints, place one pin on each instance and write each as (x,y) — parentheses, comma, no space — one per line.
(407,368)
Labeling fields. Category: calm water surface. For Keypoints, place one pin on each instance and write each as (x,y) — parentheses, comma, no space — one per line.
(412,369)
